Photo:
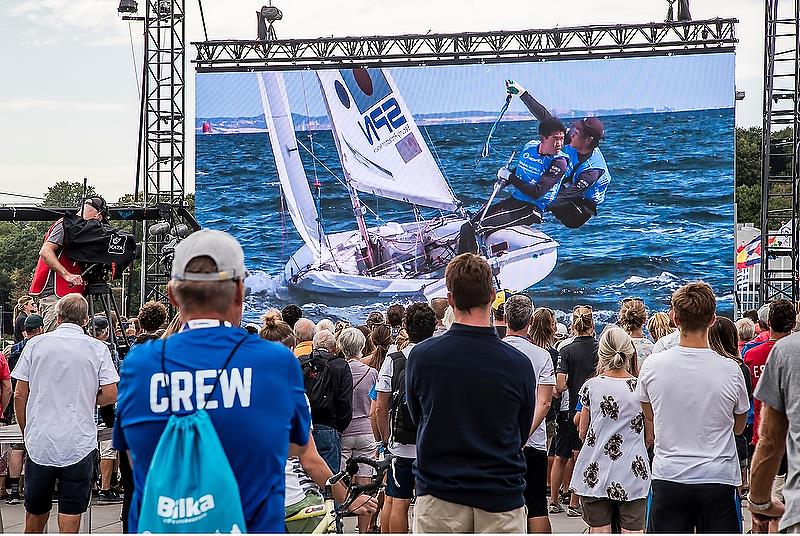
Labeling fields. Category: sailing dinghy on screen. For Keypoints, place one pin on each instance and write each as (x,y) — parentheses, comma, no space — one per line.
(382,152)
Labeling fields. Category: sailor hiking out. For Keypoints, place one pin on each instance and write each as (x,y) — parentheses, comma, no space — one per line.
(536,181)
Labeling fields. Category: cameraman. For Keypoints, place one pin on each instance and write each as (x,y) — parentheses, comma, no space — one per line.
(56,275)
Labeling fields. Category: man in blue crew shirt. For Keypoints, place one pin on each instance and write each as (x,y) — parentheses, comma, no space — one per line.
(472,397)
(587,178)
(259,410)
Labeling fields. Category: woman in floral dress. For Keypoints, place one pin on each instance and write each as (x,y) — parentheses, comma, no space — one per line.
(612,474)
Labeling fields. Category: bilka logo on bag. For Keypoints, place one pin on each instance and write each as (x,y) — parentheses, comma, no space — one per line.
(185,509)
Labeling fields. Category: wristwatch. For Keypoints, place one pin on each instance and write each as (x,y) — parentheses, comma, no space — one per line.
(759,507)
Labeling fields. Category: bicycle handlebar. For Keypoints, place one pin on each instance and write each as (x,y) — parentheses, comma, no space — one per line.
(351,469)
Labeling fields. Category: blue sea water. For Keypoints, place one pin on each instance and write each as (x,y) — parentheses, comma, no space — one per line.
(668,217)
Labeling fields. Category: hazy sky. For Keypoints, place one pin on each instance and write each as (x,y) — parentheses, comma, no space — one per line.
(677,82)
(69,102)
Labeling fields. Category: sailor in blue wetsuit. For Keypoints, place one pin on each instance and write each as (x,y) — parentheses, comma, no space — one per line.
(587,179)
(536,180)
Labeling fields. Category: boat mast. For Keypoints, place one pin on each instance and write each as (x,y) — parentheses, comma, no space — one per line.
(358,212)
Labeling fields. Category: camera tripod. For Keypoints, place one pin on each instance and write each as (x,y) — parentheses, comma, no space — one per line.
(99,293)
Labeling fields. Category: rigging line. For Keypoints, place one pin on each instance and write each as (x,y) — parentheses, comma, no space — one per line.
(439,161)
(308,126)
(135,68)
(203,18)
(335,176)
(486,146)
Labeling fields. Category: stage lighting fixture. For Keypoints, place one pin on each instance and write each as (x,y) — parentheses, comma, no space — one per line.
(127,6)
(271,13)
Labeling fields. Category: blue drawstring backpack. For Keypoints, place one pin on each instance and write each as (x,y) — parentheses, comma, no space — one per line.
(190,486)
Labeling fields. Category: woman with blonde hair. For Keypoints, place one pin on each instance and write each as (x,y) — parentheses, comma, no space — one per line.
(632,318)
(659,326)
(24,306)
(358,438)
(449,317)
(612,474)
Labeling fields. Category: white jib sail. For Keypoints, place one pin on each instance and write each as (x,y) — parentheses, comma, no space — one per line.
(291,173)
(381,147)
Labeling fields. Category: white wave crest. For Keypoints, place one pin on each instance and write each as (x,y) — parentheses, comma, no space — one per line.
(664,278)
(262,283)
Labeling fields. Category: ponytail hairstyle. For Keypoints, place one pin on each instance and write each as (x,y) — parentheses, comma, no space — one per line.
(381,337)
(22,302)
(632,315)
(615,351)
(543,328)
(582,320)
(276,330)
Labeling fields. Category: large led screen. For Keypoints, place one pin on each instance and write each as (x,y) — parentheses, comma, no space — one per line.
(282,158)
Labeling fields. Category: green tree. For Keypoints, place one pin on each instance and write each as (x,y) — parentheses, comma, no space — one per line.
(748,157)
(66,194)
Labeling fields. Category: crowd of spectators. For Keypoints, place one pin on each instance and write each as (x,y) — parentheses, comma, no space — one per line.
(496,416)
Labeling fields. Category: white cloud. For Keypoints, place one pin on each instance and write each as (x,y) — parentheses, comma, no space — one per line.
(93,22)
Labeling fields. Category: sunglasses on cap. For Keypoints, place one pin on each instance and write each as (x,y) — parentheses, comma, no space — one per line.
(632,299)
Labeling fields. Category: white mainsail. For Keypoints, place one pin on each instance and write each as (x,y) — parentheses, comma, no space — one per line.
(381,147)
(291,173)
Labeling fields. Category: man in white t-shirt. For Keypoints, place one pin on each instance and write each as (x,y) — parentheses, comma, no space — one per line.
(697,400)
(519,312)
(420,325)
(62,377)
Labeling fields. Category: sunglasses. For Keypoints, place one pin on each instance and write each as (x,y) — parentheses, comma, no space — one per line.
(582,307)
(632,299)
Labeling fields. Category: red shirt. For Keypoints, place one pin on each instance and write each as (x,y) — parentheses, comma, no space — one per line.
(763,336)
(755,359)
(5,372)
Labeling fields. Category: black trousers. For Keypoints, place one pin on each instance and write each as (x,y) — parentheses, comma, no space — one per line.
(126,474)
(573,214)
(506,213)
(686,508)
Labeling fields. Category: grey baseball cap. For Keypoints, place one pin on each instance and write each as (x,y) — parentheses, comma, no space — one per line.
(220,246)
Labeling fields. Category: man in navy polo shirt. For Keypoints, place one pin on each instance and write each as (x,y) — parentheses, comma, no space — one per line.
(472,397)
(259,409)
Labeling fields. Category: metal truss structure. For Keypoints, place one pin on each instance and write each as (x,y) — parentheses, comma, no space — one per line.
(163,140)
(608,41)
(780,152)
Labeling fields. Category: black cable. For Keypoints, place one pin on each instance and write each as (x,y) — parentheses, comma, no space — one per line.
(22,195)
(203,18)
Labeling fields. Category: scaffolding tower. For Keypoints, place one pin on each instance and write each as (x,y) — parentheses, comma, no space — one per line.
(164,135)
(780,163)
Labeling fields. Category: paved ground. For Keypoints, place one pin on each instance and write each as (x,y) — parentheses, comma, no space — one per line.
(105,519)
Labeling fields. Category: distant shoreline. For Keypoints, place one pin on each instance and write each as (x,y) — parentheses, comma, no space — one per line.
(256,124)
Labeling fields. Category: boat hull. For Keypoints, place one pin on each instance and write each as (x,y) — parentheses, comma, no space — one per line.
(523,257)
